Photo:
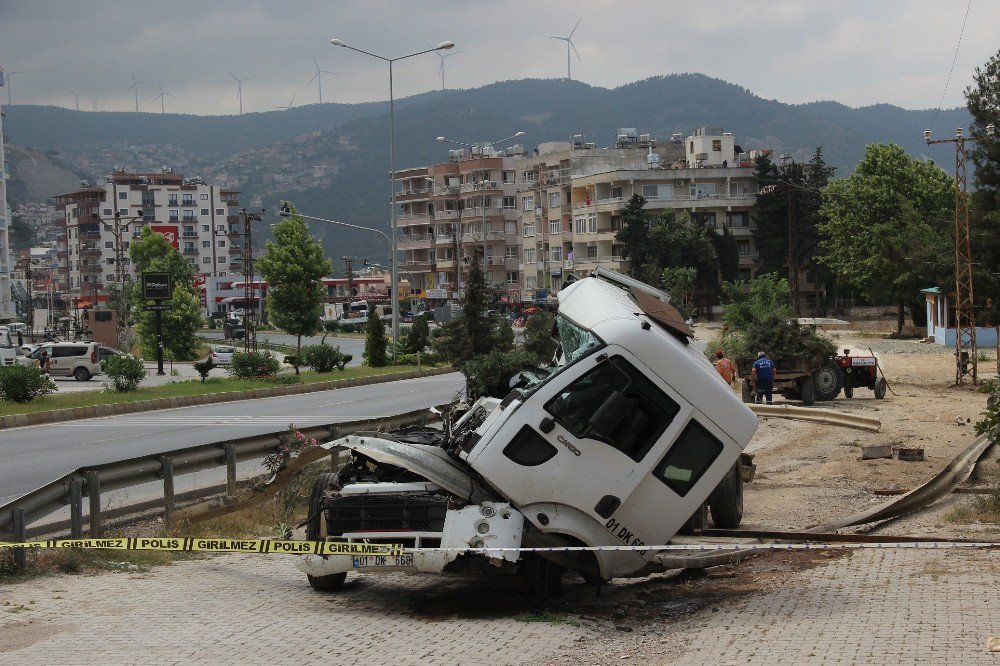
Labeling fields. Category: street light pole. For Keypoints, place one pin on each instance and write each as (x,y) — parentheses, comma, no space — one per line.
(482,171)
(117,225)
(392,174)
(965,312)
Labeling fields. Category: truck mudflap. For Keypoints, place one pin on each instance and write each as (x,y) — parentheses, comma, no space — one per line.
(488,525)
(429,462)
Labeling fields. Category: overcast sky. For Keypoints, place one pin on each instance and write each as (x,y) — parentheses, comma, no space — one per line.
(855,52)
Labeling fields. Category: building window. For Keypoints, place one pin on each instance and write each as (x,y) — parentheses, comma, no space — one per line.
(741,219)
(509,203)
(591,252)
(529,255)
(123,195)
(174,215)
(171,199)
(189,216)
(716,145)
(555,226)
(528,203)
(743,274)
(204,197)
(530,176)
(704,219)
(222,259)
(510,252)
(206,260)
(220,211)
(555,199)
(592,224)
(528,229)
(530,281)
(218,227)
(123,212)
(110,261)
(616,192)
(511,277)
(109,211)
(743,248)
(206,228)
(221,243)
(109,245)
(207,244)
(580,225)
(508,176)
(206,211)
(555,254)
(702,189)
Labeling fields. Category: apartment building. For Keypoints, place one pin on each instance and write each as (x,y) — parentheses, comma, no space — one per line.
(556,211)
(194,216)
(6,256)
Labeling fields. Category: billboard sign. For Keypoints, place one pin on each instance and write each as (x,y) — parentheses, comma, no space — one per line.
(168,231)
(156,286)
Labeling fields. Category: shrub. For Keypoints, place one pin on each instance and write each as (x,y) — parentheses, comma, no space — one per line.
(24,383)
(286,380)
(375,343)
(211,324)
(419,335)
(324,358)
(426,358)
(332,326)
(248,365)
(124,372)
(203,368)
(490,374)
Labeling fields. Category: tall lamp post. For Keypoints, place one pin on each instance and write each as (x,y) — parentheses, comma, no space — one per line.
(965,313)
(443,46)
(482,169)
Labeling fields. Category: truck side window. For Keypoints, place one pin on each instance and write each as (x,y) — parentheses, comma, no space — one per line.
(690,456)
(617,404)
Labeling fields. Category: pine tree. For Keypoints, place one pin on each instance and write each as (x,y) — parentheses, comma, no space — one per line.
(419,334)
(633,235)
(375,340)
(293,266)
(478,327)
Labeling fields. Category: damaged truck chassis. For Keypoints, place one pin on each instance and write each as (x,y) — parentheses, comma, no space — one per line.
(626,439)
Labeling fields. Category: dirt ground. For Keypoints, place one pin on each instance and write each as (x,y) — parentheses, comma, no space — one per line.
(810,473)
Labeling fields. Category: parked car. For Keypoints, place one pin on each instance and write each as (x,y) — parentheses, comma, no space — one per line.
(80,360)
(104,352)
(222,355)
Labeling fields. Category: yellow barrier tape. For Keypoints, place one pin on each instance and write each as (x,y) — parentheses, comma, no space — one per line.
(189,544)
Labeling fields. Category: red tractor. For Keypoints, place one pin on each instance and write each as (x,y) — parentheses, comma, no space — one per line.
(861,371)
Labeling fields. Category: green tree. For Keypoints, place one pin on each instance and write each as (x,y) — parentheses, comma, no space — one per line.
(754,300)
(728,254)
(885,228)
(674,241)
(294,266)
(680,283)
(983,100)
(476,322)
(419,334)
(538,339)
(375,342)
(153,252)
(633,234)
(22,236)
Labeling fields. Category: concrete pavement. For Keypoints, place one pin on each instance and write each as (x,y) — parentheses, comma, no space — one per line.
(35,455)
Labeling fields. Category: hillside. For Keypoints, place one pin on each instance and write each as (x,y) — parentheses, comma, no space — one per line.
(332,159)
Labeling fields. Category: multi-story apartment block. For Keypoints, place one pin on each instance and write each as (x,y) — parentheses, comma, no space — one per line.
(557,210)
(194,216)
(6,256)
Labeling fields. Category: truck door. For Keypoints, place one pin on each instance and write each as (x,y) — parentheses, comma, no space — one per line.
(590,439)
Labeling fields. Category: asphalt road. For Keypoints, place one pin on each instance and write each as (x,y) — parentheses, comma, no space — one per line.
(352,346)
(35,455)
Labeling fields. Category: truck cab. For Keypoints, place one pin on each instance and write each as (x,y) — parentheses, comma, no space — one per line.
(618,444)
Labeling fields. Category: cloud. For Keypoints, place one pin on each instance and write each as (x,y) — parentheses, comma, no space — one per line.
(856,52)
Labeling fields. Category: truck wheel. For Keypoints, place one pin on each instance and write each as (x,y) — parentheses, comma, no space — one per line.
(880,387)
(697,521)
(543,579)
(726,501)
(332,582)
(747,391)
(848,391)
(807,389)
(828,381)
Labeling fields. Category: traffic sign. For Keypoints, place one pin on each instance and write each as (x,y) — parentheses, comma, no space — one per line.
(159,307)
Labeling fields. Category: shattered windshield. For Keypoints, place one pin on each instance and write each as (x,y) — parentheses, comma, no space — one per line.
(576,342)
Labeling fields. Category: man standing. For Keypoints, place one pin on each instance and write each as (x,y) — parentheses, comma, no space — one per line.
(763,377)
(725,367)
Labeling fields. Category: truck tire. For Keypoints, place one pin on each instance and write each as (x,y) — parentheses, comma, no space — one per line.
(697,521)
(828,381)
(726,501)
(332,582)
(848,391)
(543,579)
(747,391)
(880,387)
(807,390)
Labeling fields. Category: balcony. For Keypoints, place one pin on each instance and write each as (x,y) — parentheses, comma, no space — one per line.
(444,239)
(446,214)
(446,189)
(414,241)
(480,186)
(86,251)
(190,249)
(189,234)
(189,202)
(414,267)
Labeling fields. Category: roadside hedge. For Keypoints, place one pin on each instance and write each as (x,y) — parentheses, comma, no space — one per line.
(24,383)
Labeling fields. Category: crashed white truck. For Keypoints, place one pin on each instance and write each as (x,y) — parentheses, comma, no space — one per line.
(628,437)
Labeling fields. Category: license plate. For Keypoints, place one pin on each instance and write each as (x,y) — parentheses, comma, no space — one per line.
(375,561)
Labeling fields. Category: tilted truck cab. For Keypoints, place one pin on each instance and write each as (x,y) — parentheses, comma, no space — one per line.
(617,445)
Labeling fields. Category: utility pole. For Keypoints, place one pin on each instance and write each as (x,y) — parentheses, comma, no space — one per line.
(965,309)
(349,274)
(118,225)
(29,311)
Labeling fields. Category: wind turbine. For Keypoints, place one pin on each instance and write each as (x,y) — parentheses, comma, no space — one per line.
(569,43)
(318,78)
(161,95)
(239,87)
(8,75)
(135,85)
(286,108)
(76,94)
(441,68)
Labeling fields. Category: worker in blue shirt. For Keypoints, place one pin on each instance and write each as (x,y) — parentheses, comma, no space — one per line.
(763,377)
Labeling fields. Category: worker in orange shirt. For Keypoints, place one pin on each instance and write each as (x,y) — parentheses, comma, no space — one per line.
(725,367)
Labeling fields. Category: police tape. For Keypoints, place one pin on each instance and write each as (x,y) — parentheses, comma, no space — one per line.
(303,547)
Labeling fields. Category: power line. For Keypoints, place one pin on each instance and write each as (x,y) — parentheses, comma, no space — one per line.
(954,58)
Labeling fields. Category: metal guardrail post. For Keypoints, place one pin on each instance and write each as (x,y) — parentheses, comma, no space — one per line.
(94,496)
(231,470)
(18,532)
(76,508)
(168,487)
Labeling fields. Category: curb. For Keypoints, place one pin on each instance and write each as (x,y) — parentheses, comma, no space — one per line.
(114,409)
